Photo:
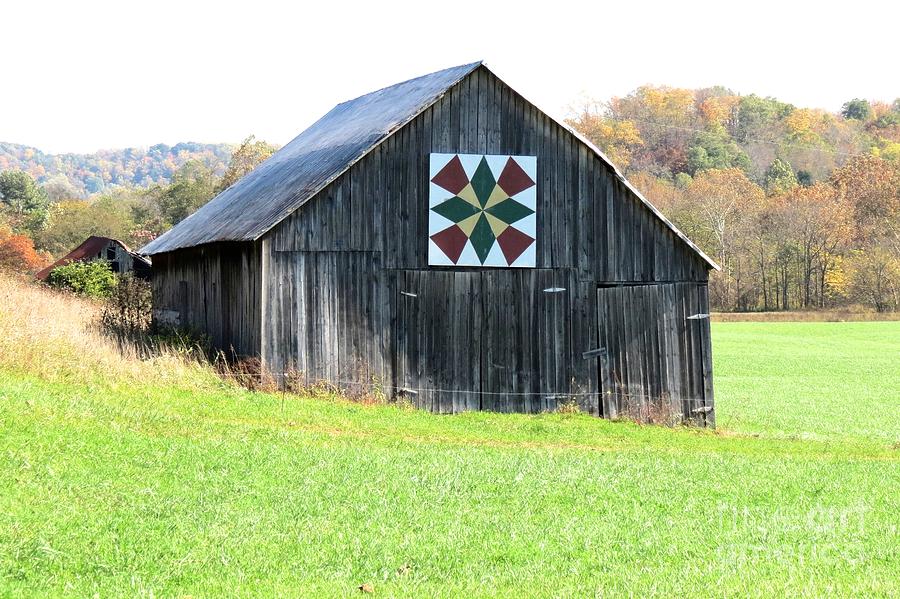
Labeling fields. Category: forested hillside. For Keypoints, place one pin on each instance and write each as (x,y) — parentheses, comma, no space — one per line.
(40,221)
(71,176)
(800,207)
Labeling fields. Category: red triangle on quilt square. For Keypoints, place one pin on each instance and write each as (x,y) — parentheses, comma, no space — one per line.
(513,179)
(451,240)
(513,242)
(452,177)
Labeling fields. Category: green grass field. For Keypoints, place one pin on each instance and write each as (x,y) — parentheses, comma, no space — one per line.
(180,485)
(829,380)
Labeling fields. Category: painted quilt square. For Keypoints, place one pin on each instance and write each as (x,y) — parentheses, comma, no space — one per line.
(482,210)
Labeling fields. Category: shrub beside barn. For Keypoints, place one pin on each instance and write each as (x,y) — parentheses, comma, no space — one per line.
(445,240)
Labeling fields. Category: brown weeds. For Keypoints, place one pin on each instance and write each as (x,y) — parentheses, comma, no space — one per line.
(57,336)
(849,315)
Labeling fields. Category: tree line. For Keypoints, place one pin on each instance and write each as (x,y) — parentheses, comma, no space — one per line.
(800,207)
(77,176)
(35,227)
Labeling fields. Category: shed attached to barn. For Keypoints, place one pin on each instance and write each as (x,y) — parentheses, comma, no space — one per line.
(445,240)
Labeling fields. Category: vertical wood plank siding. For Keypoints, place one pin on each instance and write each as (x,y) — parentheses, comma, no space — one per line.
(214,290)
(350,296)
(655,350)
(605,233)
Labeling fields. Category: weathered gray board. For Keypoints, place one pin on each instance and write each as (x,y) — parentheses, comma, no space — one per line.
(657,351)
(213,289)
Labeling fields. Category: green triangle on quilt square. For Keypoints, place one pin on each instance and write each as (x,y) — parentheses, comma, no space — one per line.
(482,238)
(510,211)
(456,209)
(483,182)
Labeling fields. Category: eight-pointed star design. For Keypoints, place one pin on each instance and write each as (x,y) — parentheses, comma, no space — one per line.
(483,209)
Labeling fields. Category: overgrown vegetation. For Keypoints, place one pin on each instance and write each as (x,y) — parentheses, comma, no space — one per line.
(129,476)
(128,312)
(92,279)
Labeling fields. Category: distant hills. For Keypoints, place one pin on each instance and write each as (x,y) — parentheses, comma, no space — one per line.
(81,175)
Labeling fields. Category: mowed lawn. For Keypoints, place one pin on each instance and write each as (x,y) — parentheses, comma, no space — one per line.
(184,486)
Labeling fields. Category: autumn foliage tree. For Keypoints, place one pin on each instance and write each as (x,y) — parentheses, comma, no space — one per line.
(870,187)
(17,253)
(819,223)
(719,210)
(619,140)
(245,158)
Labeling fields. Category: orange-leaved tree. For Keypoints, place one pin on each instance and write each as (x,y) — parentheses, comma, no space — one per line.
(17,253)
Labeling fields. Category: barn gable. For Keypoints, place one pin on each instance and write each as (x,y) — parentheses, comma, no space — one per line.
(350,131)
(585,229)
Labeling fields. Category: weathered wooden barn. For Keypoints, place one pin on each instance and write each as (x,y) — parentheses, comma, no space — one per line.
(445,240)
(121,259)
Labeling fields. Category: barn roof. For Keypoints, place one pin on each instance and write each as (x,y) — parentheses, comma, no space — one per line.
(88,248)
(277,187)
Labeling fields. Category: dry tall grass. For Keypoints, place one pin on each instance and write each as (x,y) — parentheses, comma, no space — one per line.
(808,316)
(56,336)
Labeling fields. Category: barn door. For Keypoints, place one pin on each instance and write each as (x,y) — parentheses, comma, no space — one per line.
(501,341)
(437,339)
(657,360)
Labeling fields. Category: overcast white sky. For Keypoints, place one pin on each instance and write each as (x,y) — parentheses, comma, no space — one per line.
(78,76)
